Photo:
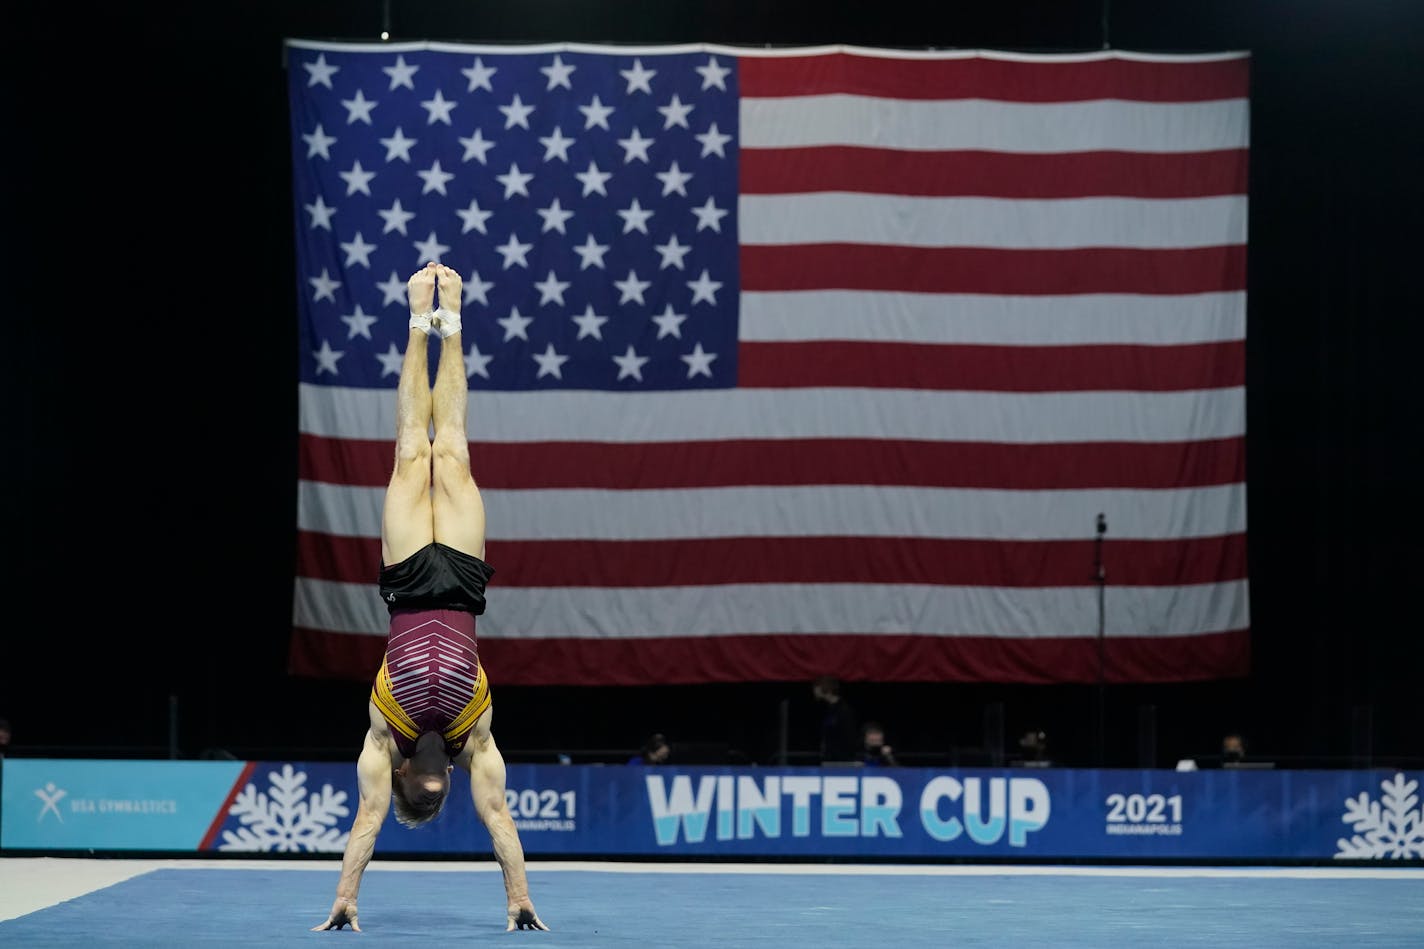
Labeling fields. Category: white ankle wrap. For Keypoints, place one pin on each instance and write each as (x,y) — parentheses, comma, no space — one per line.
(445,322)
(421,321)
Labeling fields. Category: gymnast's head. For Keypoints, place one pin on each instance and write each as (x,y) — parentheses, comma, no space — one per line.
(422,782)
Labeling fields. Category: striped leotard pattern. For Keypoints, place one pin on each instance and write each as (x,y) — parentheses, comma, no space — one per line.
(431,679)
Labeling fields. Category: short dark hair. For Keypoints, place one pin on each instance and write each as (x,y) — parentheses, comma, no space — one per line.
(828,684)
(654,742)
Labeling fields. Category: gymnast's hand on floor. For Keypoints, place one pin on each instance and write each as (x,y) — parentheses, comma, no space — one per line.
(343,911)
(524,917)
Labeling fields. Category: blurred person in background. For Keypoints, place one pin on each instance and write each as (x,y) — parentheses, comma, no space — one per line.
(874,752)
(655,751)
(840,732)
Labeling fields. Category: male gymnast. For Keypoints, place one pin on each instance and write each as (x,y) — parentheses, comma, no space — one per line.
(430,704)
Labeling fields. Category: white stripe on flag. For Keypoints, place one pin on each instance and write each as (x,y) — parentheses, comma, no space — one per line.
(714,414)
(983,125)
(758,609)
(837,217)
(989,320)
(810,511)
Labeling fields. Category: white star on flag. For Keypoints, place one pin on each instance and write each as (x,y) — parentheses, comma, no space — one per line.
(435,178)
(551,289)
(479,75)
(675,113)
(669,323)
(589,323)
(704,289)
(357,179)
(326,358)
(477,289)
(554,217)
(358,323)
(320,72)
(515,325)
(674,180)
(709,215)
(318,143)
(516,113)
(591,253)
(477,363)
(632,288)
(439,108)
(395,217)
(713,74)
(358,252)
(476,147)
(392,290)
(672,253)
(324,287)
(596,113)
(635,146)
(430,249)
(594,180)
(699,362)
(514,252)
(639,79)
(401,74)
(630,364)
(550,363)
(558,74)
(473,217)
(556,146)
(359,108)
(398,146)
(390,361)
(320,213)
(515,182)
(713,141)
(635,217)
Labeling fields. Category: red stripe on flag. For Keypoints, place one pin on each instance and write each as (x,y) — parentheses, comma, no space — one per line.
(723,560)
(887,658)
(981,270)
(992,368)
(641,466)
(983,78)
(846,168)
(324,654)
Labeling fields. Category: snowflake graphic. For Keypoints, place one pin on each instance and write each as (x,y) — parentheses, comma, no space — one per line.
(1389,827)
(287,819)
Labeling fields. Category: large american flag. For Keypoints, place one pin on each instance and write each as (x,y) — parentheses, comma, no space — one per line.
(789,362)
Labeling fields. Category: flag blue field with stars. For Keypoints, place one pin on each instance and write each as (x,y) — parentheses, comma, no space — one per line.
(587,200)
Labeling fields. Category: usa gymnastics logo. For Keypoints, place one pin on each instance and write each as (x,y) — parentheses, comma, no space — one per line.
(50,796)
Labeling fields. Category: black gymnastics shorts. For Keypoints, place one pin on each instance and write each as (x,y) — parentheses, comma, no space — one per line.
(436,577)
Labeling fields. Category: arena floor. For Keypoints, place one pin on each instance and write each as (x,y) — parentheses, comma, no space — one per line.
(62,901)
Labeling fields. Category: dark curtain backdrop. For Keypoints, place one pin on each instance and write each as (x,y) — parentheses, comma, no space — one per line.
(151,468)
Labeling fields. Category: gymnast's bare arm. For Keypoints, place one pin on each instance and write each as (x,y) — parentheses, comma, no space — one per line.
(373,775)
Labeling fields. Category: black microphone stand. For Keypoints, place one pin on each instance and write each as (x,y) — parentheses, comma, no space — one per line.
(1100,576)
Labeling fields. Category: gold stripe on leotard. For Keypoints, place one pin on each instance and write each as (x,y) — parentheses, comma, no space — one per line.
(385,701)
(460,728)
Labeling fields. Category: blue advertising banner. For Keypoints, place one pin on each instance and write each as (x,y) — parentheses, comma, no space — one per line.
(65,804)
(751,813)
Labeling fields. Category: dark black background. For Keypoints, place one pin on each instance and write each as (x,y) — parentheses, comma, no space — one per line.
(150,381)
